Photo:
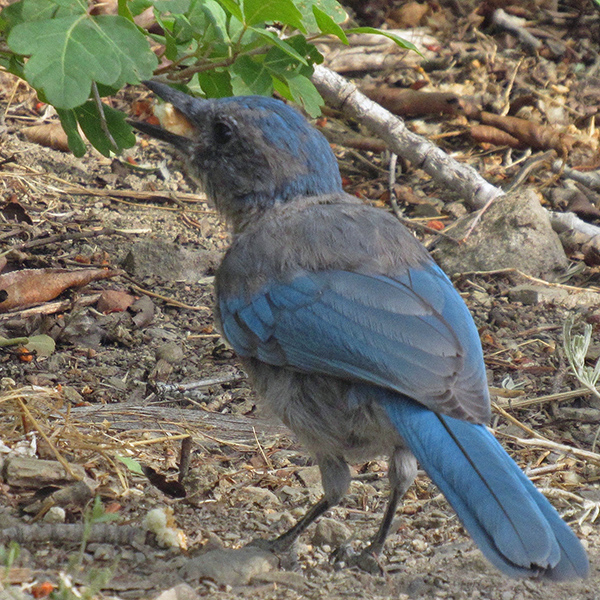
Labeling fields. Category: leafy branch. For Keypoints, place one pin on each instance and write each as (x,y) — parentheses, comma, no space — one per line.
(74,57)
(576,349)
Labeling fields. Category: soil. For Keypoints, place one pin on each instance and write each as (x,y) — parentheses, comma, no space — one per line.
(248,476)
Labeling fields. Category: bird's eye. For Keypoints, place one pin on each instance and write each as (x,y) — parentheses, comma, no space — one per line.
(223,132)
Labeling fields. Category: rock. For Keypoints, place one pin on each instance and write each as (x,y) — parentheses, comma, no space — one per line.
(31,473)
(170,352)
(169,262)
(183,591)
(514,232)
(330,532)
(535,294)
(230,567)
(55,514)
(260,496)
(287,578)
(309,476)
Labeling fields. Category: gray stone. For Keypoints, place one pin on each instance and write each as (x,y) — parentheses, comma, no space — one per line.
(330,532)
(170,262)
(230,567)
(514,232)
(536,294)
(183,591)
(170,352)
(260,496)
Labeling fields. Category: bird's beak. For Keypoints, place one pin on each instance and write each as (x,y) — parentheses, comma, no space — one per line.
(177,121)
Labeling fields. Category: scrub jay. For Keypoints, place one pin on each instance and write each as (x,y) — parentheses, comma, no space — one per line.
(353,336)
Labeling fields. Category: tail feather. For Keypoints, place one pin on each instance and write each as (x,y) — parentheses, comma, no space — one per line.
(513,524)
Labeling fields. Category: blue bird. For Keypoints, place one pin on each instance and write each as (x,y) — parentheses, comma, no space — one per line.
(353,336)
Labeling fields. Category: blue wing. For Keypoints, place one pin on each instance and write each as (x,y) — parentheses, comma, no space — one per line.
(411,333)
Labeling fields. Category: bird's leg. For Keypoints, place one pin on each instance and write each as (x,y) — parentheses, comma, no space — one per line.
(335,476)
(285,541)
(402,473)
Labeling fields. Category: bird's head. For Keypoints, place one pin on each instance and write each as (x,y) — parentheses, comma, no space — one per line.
(249,152)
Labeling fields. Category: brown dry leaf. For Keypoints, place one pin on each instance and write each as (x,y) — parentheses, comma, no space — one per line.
(114,301)
(34,286)
(50,135)
(14,211)
(486,134)
(409,15)
(539,137)
(414,103)
(580,204)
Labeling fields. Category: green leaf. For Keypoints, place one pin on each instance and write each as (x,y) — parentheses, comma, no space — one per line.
(68,53)
(133,465)
(272,38)
(215,84)
(137,7)
(124,10)
(280,62)
(89,119)
(170,43)
(172,6)
(38,10)
(250,78)
(42,345)
(68,120)
(398,40)
(282,89)
(332,8)
(233,8)
(305,93)
(98,514)
(217,17)
(327,25)
(281,11)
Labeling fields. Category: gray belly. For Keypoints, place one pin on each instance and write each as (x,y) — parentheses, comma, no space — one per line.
(331,417)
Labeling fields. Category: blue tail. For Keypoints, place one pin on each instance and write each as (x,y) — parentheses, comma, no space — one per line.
(515,527)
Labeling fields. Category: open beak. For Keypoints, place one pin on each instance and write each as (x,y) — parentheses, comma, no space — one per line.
(186,107)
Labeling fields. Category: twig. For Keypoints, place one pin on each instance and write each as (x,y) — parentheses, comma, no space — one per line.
(550,445)
(106,533)
(50,308)
(516,422)
(176,198)
(262,452)
(103,123)
(509,87)
(170,301)
(159,440)
(569,221)
(447,172)
(392,187)
(63,237)
(559,397)
(36,426)
(590,179)
(477,218)
(515,25)
(171,388)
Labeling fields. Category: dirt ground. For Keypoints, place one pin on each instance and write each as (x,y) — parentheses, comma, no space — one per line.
(103,391)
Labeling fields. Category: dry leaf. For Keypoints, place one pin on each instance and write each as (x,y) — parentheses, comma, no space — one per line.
(34,286)
(414,103)
(50,135)
(486,134)
(114,301)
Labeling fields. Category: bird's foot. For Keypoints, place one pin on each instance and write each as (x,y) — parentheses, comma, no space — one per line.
(285,552)
(367,560)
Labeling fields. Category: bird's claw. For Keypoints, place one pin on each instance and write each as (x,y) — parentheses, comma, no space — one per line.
(367,560)
(287,555)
